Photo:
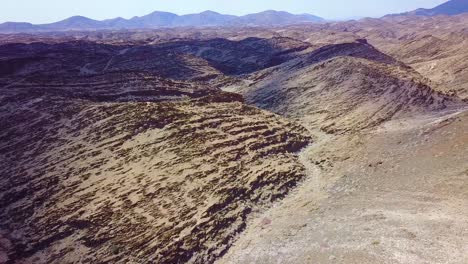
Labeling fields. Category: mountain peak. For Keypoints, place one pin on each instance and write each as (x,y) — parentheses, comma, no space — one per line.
(209,12)
(273,17)
(452,7)
(77,19)
(160,14)
(159,19)
(275,12)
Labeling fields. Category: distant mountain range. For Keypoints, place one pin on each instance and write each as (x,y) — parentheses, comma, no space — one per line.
(453,7)
(164,19)
(160,19)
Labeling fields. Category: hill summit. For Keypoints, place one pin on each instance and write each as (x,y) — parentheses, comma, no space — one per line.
(159,19)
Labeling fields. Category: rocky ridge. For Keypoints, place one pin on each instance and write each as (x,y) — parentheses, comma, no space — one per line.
(122,166)
(129,151)
(341,88)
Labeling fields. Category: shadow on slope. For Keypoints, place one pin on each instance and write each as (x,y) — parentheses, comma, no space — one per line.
(132,167)
(343,87)
(184,60)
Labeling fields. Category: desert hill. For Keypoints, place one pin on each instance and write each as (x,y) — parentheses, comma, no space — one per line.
(130,145)
(452,7)
(340,142)
(434,45)
(342,87)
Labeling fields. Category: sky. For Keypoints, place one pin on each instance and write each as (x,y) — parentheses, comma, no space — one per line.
(46,11)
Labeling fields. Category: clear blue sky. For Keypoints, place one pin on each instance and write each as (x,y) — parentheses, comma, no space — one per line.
(44,11)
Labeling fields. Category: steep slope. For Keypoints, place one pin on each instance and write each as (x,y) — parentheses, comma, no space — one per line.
(393,195)
(341,88)
(243,56)
(452,7)
(434,46)
(129,167)
(441,59)
(126,151)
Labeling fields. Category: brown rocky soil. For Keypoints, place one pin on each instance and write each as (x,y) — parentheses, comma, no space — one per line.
(131,167)
(341,88)
(393,194)
(333,143)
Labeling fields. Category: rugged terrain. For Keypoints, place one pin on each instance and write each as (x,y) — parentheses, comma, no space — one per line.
(395,194)
(352,86)
(131,166)
(432,45)
(326,143)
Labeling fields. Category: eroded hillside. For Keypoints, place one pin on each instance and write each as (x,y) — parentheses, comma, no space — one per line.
(343,87)
(128,167)
(169,146)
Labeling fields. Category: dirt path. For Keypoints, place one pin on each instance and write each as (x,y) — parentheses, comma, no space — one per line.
(314,175)
(389,196)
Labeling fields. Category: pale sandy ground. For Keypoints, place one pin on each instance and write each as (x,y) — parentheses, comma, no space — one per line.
(397,194)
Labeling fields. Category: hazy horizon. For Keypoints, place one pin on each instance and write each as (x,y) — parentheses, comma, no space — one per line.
(48,11)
